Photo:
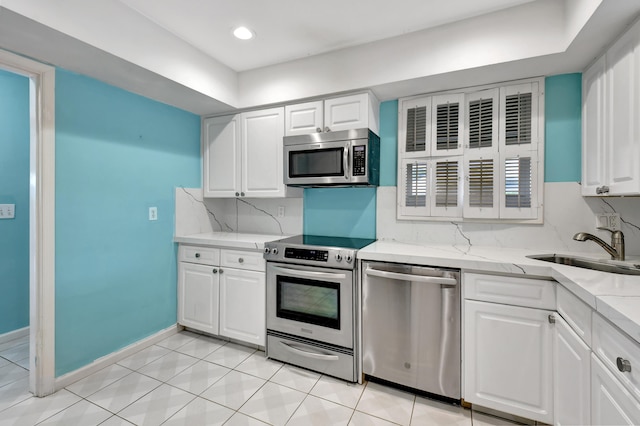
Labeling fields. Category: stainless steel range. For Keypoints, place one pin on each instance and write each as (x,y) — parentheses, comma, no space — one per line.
(311,303)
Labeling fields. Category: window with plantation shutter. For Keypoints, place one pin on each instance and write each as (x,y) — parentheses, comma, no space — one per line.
(416,185)
(481,183)
(448,124)
(446,187)
(481,123)
(517,182)
(416,129)
(518,119)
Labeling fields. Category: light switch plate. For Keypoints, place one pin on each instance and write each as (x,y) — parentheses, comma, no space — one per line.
(153,213)
(608,220)
(7,211)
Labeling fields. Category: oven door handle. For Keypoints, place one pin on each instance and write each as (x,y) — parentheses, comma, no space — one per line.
(411,277)
(307,354)
(310,274)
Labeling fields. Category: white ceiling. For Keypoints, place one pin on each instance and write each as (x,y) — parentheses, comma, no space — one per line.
(292,29)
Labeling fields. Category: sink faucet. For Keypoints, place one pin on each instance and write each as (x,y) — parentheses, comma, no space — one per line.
(616,249)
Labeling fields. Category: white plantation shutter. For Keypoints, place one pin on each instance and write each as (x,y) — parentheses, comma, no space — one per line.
(448,125)
(481,123)
(415,127)
(481,191)
(446,187)
(519,117)
(519,187)
(414,187)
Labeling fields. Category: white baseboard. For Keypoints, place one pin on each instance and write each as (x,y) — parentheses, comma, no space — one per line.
(112,358)
(15,334)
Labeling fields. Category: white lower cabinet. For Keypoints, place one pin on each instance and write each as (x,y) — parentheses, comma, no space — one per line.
(242,305)
(222,292)
(572,376)
(611,403)
(508,359)
(198,289)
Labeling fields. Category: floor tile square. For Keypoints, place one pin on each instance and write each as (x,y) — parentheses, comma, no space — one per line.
(4,362)
(273,404)
(157,406)
(123,392)
(16,353)
(116,421)
(200,412)
(201,346)
(296,378)
(24,363)
(34,410)
(199,377)
(338,391)
(387,403)
(144,357)
(230,355)
(427,411)
(239,419)
(233,390)
(168,366)
(98,380)
(258,365)
(362,419)
(320,412)
(14,393)
(176,341)
(82,413)
(11,373)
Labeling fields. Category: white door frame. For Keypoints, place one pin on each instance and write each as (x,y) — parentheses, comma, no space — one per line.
(41,219)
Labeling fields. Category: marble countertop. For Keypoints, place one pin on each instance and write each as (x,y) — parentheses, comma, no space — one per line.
(229,239)
(615,296)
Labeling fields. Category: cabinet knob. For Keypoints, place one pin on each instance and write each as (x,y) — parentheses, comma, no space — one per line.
(326,129)
(237,194)
(242,194)
(602,189)
(221,271)
(623,364)
(240,260)
(197,255)
(552,319)
(215,271)
(318,129)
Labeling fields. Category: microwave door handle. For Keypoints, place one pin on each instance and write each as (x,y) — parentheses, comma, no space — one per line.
(309,274)
(345,160)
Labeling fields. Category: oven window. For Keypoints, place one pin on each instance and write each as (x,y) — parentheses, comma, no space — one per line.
(312,302)
(316,163)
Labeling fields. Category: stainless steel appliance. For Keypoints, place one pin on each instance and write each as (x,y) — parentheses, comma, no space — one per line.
(411,326)
(311,303)
(344,158)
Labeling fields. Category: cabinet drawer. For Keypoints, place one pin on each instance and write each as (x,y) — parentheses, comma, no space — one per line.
(575,312)
(517,291)
(251,260)
(199,254)
(611,344)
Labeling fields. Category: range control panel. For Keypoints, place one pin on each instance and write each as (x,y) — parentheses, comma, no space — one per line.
(306,254)
(318,256)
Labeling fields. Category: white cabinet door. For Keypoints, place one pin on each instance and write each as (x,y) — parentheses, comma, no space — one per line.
(622,110)
(593,126)
(221,156)
(198,297)
(611,403)
(242,305)
(508,359)
(572,377)
(262,167)
(347,112)
(302,119)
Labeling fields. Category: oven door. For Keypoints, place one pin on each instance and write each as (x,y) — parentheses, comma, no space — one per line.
(312,303)
(322,163)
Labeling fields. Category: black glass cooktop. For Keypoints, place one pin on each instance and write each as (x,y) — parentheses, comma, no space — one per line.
(324,241)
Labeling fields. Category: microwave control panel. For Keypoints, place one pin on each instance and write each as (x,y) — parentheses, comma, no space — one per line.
(359,160)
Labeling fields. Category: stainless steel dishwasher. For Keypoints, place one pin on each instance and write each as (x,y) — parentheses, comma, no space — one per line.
(411,326)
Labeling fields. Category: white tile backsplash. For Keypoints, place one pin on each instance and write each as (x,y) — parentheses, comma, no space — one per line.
(565,213)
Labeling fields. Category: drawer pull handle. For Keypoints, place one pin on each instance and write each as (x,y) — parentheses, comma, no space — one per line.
(240,260)
(552,319)
(197,255)
(623,364)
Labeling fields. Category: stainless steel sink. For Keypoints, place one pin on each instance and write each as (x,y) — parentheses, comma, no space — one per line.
(581,262)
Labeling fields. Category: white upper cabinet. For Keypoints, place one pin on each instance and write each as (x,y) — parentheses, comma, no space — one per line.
(343,113)
(242,155)
(611,133)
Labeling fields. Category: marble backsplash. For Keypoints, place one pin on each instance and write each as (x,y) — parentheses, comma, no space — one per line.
(195,215)
(566,212)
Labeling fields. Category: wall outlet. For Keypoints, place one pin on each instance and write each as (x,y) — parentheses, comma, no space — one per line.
(153,213)
(608,220)
(7,211)
(280,211)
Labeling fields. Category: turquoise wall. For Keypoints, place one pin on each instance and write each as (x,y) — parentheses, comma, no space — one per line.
(14,189)
(340,212)
(117,154)
(563,134)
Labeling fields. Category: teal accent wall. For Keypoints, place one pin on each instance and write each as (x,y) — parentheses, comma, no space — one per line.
(14,189)
(388,143)
(340,212)
(117,154)
(563,133)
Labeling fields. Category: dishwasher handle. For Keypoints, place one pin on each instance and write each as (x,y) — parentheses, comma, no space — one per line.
(410,277)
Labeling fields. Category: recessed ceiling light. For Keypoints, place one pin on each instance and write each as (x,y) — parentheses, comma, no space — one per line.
(243,33)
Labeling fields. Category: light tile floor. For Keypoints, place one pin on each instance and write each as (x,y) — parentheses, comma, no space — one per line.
(189,379)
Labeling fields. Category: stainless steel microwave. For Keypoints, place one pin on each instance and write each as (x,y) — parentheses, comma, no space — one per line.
(342,158)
